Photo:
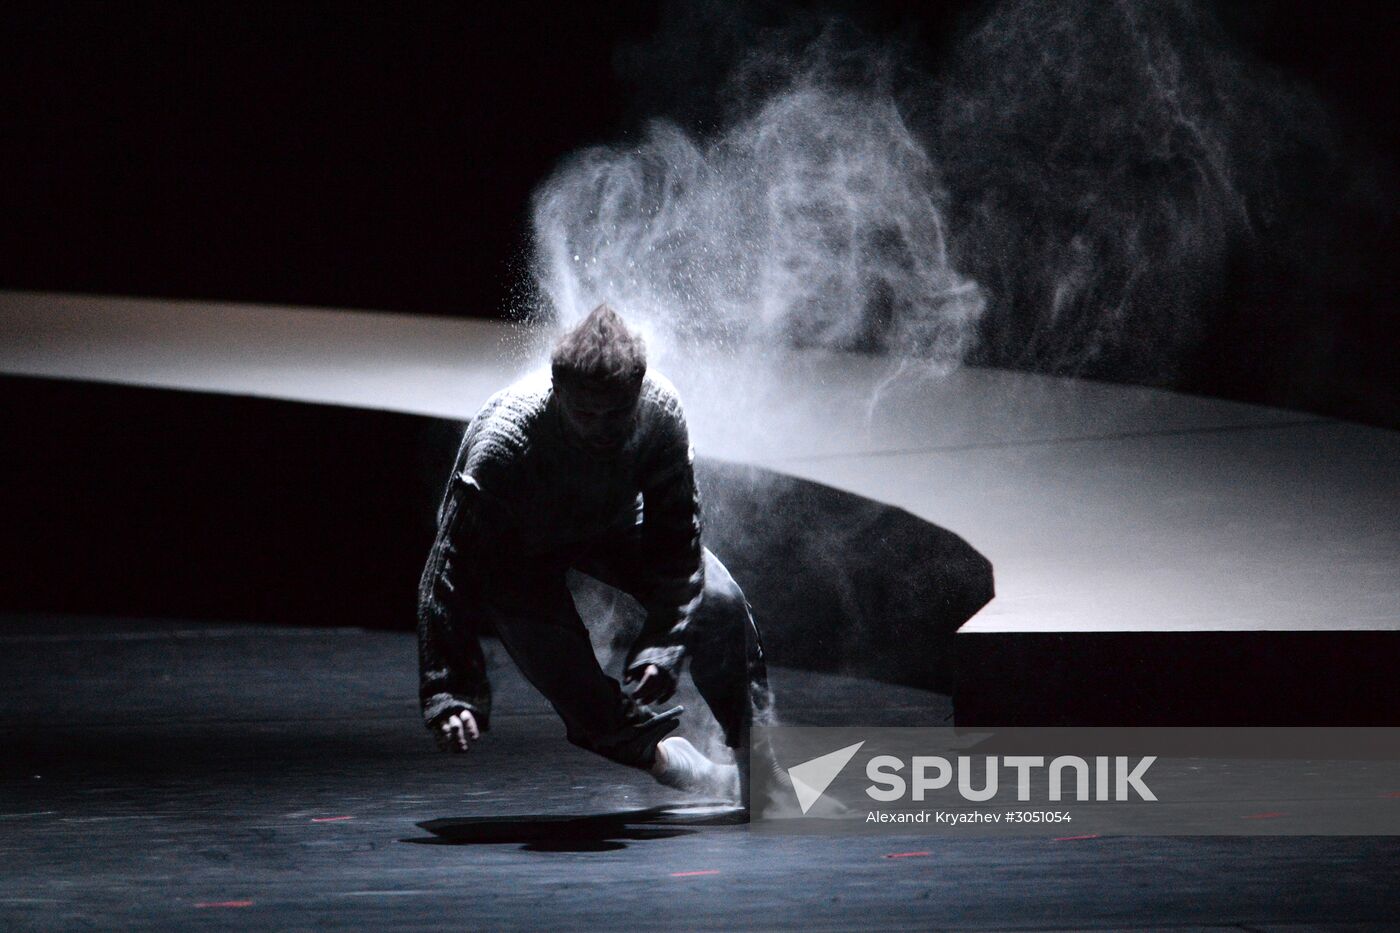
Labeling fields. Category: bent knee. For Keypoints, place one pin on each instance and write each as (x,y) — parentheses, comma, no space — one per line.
(723,599)
(722,620)
(723,604)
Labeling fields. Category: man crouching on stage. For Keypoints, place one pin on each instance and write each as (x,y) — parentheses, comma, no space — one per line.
(588,466)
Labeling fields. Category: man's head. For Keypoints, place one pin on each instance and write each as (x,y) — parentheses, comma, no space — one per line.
(598,369)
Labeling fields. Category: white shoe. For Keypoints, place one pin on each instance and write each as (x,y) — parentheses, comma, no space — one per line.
(689,770)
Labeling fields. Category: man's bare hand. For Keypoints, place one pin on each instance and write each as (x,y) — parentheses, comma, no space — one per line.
(455,733)
(653,684)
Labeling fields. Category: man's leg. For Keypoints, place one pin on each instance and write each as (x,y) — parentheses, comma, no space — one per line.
(723,644)
(726,656)
(540,629)
(722,641)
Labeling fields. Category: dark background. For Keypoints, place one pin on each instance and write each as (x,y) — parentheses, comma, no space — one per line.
(382,155)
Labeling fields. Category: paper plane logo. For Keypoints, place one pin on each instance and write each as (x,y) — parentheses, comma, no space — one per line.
(811,778)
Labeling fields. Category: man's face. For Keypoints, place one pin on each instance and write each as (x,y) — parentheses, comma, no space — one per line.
(601,419)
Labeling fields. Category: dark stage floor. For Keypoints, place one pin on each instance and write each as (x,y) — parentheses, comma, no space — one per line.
(182,775)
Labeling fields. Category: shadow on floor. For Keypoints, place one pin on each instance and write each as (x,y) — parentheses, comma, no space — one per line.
(599,832)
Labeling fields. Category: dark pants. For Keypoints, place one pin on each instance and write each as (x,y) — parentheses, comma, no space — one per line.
(535,616)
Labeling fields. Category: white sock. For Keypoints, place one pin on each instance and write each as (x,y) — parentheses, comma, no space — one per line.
(688,770)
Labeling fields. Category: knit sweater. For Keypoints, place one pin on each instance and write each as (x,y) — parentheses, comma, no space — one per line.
(523,494)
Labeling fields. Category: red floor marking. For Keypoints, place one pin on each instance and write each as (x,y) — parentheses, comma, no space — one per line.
(1264,816)
(330,819)
(905,854)
(1072,838)
(687,874)
(224,904)
(1394,793)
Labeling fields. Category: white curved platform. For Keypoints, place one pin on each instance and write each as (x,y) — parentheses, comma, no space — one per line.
(1103,508)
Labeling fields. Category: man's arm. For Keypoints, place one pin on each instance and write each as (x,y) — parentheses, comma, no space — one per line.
(671,539)
(451,665)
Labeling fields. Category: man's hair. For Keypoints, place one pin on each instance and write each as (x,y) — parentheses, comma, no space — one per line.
(600,352)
